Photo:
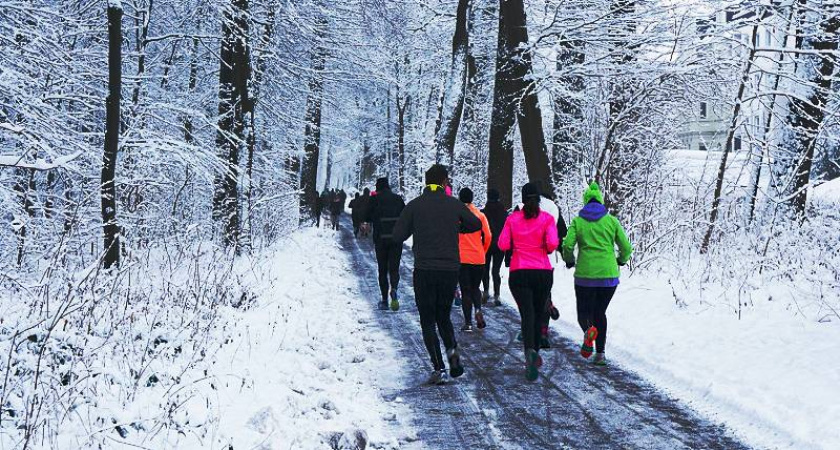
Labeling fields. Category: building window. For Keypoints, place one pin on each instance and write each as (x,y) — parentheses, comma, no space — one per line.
(737,144)
(703,110)
(703,147)
(768,38)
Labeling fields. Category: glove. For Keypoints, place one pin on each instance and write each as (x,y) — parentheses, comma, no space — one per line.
(622,264)
(570,265)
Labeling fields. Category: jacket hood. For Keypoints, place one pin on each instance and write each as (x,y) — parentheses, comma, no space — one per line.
(593,211)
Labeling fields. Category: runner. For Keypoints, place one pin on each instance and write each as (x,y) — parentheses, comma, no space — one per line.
(532,234)
(361,211)
(434,219)
(496,215)
(596,234)
(473,248)
(384,210)
(354,214)
(336,207)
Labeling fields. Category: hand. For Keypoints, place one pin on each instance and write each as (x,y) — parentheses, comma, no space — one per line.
(622,264)
(570,265)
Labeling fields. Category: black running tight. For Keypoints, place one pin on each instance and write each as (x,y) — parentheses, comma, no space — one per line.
(592,303)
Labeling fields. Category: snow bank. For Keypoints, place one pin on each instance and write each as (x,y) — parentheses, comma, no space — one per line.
(828,192)
(301,372)
(770,375)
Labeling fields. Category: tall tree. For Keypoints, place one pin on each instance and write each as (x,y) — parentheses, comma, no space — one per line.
(808,110)
(108,193)
(312,132)
(234,106)
(568,111)
(452,105)
(503,118)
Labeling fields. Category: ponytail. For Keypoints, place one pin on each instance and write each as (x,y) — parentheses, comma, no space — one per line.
(531,207)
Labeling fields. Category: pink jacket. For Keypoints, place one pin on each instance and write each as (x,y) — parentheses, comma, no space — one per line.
(531,239)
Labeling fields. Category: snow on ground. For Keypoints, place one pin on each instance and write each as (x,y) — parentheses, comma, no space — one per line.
(770,376)
(308,361)
(828,192)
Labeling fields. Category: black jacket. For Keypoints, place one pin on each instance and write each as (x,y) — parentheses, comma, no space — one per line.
(360,207)
(382,212)
(496,217)
(435,219)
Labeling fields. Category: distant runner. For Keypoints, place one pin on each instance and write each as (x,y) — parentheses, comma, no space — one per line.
(532,234)
(383,211)
(473,249)
(435,219)
(596,233)
(496,215)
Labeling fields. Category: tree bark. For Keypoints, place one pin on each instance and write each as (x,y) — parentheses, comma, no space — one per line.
(108,193)
(312,138)
(568,113)
(807,112)
(500,157)
(234,105)
(453,95)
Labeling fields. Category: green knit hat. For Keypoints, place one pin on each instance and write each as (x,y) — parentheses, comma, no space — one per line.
(593,192)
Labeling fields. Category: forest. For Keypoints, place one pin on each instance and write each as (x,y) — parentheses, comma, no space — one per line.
(152,150)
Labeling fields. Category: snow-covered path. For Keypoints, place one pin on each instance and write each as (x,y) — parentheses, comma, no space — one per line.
(572,405)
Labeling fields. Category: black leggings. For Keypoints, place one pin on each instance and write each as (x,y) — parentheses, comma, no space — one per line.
(592,303)
(493,263)
(388,256)
(470,279)
(530,289)
(433,295)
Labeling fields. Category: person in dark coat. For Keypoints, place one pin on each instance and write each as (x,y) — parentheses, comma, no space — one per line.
(496,215)
(336,207)
(360,209)
(435,221)
(383,212)
(354,216)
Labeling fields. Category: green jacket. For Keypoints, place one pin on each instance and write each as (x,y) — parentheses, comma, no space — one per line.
(596,234)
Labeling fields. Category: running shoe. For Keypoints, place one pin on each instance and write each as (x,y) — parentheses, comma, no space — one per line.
(395,302)
(496,301)
(532,359)
(484,297)
(467,328)
(455,367)
(544,343)
(519,336)
(588,339)
(457,297)
(599,360)
(437,378)
(383,305)
(479,319)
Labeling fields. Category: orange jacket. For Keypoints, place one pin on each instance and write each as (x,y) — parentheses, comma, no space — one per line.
(474,246)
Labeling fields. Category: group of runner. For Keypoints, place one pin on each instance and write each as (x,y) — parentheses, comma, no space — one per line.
(332,202)
(457,246)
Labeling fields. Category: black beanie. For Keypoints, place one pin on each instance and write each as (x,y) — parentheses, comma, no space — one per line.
(465,195)
(530,190)
(382,184)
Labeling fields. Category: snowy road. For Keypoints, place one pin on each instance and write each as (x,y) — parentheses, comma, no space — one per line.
(571,405)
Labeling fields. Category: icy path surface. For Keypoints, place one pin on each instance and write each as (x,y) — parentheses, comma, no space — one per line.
(572,405)
(307,364)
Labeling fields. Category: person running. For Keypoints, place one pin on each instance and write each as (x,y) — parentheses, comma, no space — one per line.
(548,205)
(354,216)
(496,216)
(383,212)
(435,220)
(336,207)
(473,249)
(360,209)
(532,235)
(596,233)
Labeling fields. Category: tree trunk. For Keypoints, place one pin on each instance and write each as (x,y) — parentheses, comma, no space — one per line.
(312,139)
(568,113)
(807,111)
(500,157)
(453,94)
(234,105)
(528,113)
(733,125)
(108,194)
(402,105)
